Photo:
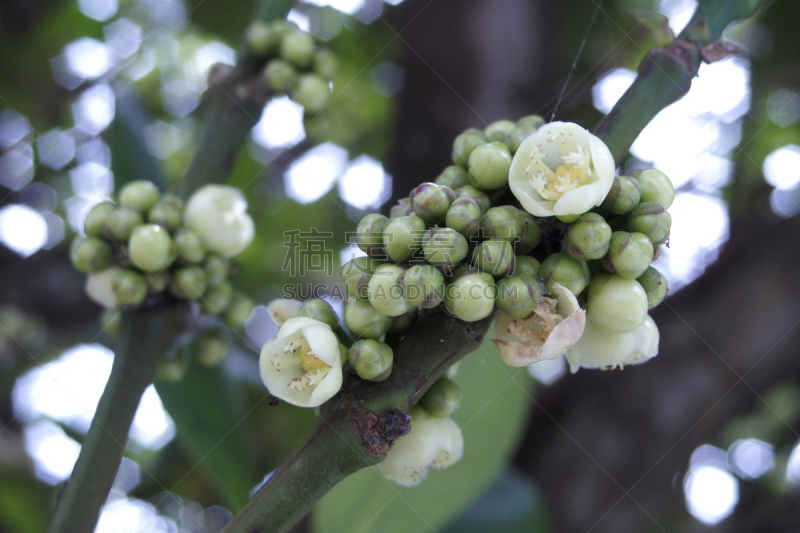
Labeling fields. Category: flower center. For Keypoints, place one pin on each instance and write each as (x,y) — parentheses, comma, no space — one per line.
(311,363)
(537,328)
(574,172)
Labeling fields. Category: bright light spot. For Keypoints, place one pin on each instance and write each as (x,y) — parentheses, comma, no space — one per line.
(751,458)
(365,184)
(711,493)
(783,108)
(260,326)
(782,167)
(311,176)
(300,19)
(128,476)
(213,53)
(785,203)
(94,151)
(77,208)
(145,62)
(180,97)
(679,13)
(713,171)
(351,252)
(13,127)
(793,465)
(281,124)
(88,58)
(123,37)
(610,88)
(16,167)
(345,6)
(163,139)
(168,14)
(56,148)
(393,2)
(98,9)
(549,370)
(91,180)
(722,88)
(53,452)
(152,426)
(94,110)
(128,515)
(22,229)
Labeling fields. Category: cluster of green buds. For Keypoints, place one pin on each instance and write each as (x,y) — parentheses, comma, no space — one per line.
(148,248)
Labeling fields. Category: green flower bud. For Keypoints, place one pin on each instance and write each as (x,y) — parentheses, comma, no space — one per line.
(531,122)
(298,47)
(189,283)
(623,196)
(141,194)
(239,310)
(464,270)
(402,324)
(530,236)
(563,269)
(499,130)
(217,299)
(423,286)
(167,215)
(442,399)
(655,186)
(372,360)
(129,287)
(504,222)
(488,166)
(216,270)
(280,75)
(173,200)
(110,321)
(431,202)
(270,37)
(444,246)
(150,248)
(588,238)
(655,286)
(465,143)
(325,64)
(386,292)
(211,347)
(96,220)
(157,282)
(470,296)
(343,350)
(258,38)
(174,368)
(402,237)
(356,275)
(369,234)
(319,310)
(480,197)
(453,176)
(90,254)
(402,209)
(121,223)
(517,296)
(364,321)
(190,247)
(312,93)
(651,219)
(616,304)
(495,257)
(464,216)
(629,254)
(515,138)
(527,266)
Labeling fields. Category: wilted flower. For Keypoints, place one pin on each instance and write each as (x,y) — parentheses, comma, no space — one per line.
(218,213)
(600,348)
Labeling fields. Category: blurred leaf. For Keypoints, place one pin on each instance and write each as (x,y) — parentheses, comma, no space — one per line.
(492,417)
(25,504)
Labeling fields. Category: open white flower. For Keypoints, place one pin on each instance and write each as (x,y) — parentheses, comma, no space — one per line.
(600,348)
(302,364)
(561,169)
(283,309)
(218,213)
(98,287)
(432,443)
(553,328)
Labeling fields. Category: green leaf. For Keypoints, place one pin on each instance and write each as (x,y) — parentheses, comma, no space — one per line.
(495,403)
(25,504)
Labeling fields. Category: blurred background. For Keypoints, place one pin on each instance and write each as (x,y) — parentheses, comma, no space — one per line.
(95,93)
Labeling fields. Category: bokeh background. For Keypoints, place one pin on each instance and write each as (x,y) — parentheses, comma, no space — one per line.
(94,93)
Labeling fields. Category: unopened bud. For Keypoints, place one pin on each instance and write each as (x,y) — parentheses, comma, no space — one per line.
(167,215)
(364,321)
(453,176)
(655,286)
(629,254)
(121,222)
(655,186)
(211,347)
(588,238)
(372,360)
(280,75)
(488,166)
(465,143)
(504,222)
(190,247)
(623,196)
(480,197)
(442,399)
(239,310)
(97,218)
(402,237)
(189,282)
(563,269)
(298,48)
(90,254)
(130,287)
(369,233)
(527,266)
(464,216)
(312,92)
(495,257)
(444,246)
(651,219)
(431,202)
(517,296)
(423,285)
(356,274)
(616,304)
(470,297)
(150,248)
(529,236)
(386,292)
(141,194)
(217,299)
(499,130)
(319,310)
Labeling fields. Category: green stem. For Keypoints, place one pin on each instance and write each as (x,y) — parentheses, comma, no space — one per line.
(145,337)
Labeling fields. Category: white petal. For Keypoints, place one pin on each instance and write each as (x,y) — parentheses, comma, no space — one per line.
(98,287)
(329,386)
(580,200)
(282,310)
(323,343)
(603,162)
(452,444)
(296,324)
(599,348)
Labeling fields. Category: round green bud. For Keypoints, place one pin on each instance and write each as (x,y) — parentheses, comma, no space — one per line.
(423,286)
(465,143)
(616,304)
(488,166)
(110,321)
(470,296)
(464,270)
(651,219)
(369,233)
(277,30)
(325,64)
(517,295)
(480,197)
(588,238)
(130,287)
(563,269)
(121,223)
(402,209)
(258,38)
(442,399)
(403,236)
(216,270)
(298,47)
(531,122)
(515,138)
(444,246)
(191,249)
(364,321)
(495,257)
(372,360)
(150,248)
(453,176)
(319,310)
(312,93)
(174,368)
(402,324)
(629,254)
(464,216)
(623,195)
(499,130)
(189,282)
(504,222)
(239,310)
(280,75)
(530,236)
(173,200)
(527,266)
(167,215)
(655,286)
(356,274)
(90,254)
(211,347)
(96,220)
(343,350)
(431,202)
(386,292)
(655,186)
(141,194)
(217,299)
(157,282)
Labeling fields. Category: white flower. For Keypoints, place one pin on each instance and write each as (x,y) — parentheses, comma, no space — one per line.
(218,213)
(302,364)
(98,287)
(552,329)
(282,309)
(432,443)
(561,169)
(600,348)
